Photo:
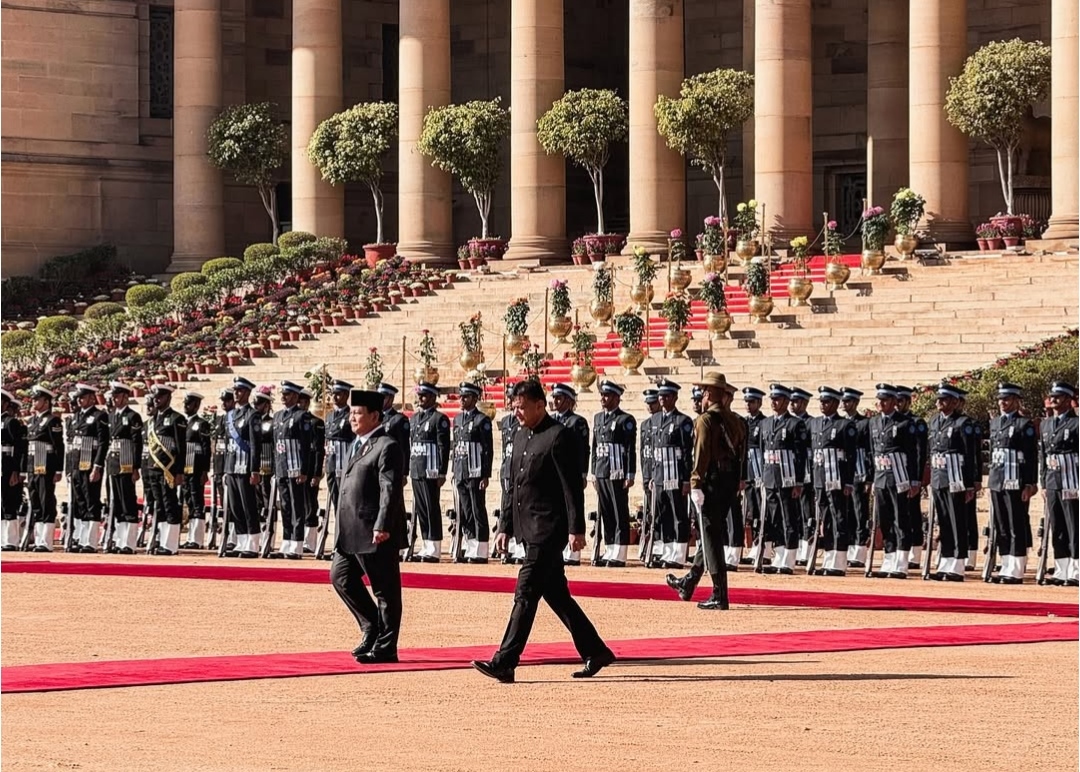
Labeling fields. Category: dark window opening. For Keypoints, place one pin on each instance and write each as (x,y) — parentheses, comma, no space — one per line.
(390,62)
(161,62)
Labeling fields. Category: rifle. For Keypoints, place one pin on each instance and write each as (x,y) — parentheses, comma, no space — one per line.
(110,526)
(760,540)
(224,520)
(1046,528)
(212,542)
(271,519)
(152,540)
(928,555)
(991,542)
(873,539)
(598,533)
(646,541)
(457,531)
(818,524)
(324,528)
(411,547)
(28,532)
(67,509)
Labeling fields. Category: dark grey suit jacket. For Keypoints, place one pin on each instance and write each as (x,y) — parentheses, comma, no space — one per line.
(372,497)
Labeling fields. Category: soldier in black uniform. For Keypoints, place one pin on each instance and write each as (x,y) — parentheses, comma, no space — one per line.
(263,426)
(833,442)
(294,465)
(858,503)
(167,437)
(122,466)
(972,505)
(339,436)
(90,429)
(800,400)
(242,470)
(1060,473)
(614,465)
(646,432)
(508,425)
(473,452)
(196,470)
(44,466)
(753,491)
(318,430)
(696,395)
(219,441)
(897,477)
(14,464)
(915,515)
(953,464)
(429,434)
(673,455)
(563,401)
(394,422)
(1014,476)
(784,443)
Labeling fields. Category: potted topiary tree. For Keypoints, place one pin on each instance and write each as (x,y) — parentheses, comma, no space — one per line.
(464,140)
(350,147)
(582,125)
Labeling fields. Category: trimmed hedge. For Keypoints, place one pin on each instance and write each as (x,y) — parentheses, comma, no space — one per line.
(103,309)
(184,280)
(221,264)
(142,294)
(293,239)
(15,340)
(54,325)
(259,251)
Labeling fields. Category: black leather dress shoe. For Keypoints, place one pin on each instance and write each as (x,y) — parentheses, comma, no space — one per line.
(800,564)
(897,575)
(164,552)
(309,551)
(276,556)
(746,561)
(231,554)
(87,549)
(477,561)
(600,562)
(414,559)
(955,577)
(377,657)
(671,565)
(294,556)
(1072,583)
(594,665)
(856,564)
(190,545)
(913,566)
(249,554)
(43,548)
(785,571)
(502,675)
(428,559)
(713,603)
(1007,580)
(829,572)
(126,551)
(616,564)
(732,569)
(770,570)
(677,584)
(565,562)
(367,643)
(9,548)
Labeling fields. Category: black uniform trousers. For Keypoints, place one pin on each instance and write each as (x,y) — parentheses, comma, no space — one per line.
(832,505)
(951,513)
(473,517)
(243,511)
(783,518)
(543,576)
(382,568)
(972,525)
(292,503)
(166,498)
(1064,513)
(858,511)
(736,520)
(613,501)
(892,510)
(11,499)
(41,491)
(914,522)
(193,492)
(85,497)
(1012,523)
(262,496)
(672,510)
(123,503)
(311,511)
(428,509)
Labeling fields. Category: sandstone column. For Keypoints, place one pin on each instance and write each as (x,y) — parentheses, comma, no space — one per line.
(425,220)
(748,127)
(657,173)
(886,101)
(537,180)
(938,152)
(1063,119)
(783,145)
(198,210)
(317,206)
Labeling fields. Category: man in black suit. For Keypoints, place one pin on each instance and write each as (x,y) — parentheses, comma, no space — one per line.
(545,510)
(370,531)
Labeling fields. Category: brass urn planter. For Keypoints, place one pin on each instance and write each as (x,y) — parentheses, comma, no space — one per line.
(642,295)
(871,262)
(746,249)
(715,263)
(760,308)
(602,311)
(631,359)
(560,327)
(905,245)
(515,345)
(583,376)
(718,322)
(470,359)
(426,374)
(799,289)
(836,275)
(679,277)
(487,408)
(675,343)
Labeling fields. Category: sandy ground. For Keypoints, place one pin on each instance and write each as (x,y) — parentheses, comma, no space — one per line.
(1007,706)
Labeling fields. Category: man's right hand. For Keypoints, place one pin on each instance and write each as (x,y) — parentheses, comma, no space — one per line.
(502,542)
(796,492)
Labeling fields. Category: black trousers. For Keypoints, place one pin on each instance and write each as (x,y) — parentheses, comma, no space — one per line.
(428,509)
(243,512)
(914,525)
(1012,523)
(832,505)
(783,518)
(613,503)
(292,505)
(473,517)
(543,576)
(858,510)
(972,525)
(123,504)
(11,498)
(194,495)
(383,613)
(311,516)
(165,498)
(85,497)
(950,511)
(1065,515)
(673,514)
(41,491)
(892,514)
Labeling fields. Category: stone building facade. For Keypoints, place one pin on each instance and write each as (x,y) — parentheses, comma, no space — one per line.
(105,105)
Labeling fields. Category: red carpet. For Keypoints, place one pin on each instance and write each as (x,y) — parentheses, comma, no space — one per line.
(102,675)
(581,588)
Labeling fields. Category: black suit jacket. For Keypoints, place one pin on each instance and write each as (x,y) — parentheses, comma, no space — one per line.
(546,499)
(371,497)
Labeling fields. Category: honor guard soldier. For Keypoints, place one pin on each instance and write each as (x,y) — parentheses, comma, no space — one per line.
(294,466)
(167,436)
(614,465)
(833,442)
(394,422)
(219,440)
(800,400)
(318,430)
(14,451)
(858,503)
(696,395)
(263,428)
(953,472)
(897,478)
(508,425)
(429,434)
(1014,476)
(972,505)
(196,470)
(122,466)
(564,400)
(90,431)
(1060,472)
(44,466)
(646,432)
(753,492)
(339,436)
(242,465)
(673,453)
(473,452)
(915,515)
(784,443)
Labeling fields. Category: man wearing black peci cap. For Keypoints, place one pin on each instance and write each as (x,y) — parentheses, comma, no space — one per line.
(1060,477)
(1013,480)
(370,531)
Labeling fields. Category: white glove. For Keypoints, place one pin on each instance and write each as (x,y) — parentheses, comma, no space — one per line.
(697,496)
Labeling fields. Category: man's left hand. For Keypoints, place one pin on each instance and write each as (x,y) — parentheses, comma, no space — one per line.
(502,542)
(134,475)
(178,480)
(577,542)
(686,489)
(1028,492)
(95,474)
(378,537)
(484,484)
